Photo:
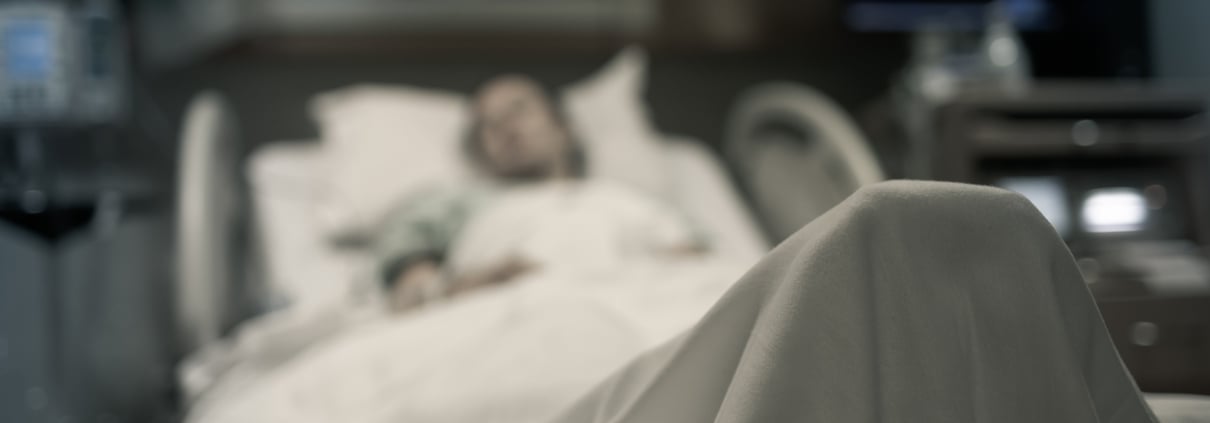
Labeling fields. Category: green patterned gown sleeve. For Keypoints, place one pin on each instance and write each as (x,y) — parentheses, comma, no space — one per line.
(421,228)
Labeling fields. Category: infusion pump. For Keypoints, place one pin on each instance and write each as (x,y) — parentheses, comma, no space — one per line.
(61,63)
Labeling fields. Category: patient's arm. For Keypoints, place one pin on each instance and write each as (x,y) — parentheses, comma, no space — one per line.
(421,229)
(500,273)
(422,281)
(689,249)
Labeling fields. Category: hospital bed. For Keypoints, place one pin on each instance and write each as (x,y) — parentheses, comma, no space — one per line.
(250,245)
(255,243)
(247,228)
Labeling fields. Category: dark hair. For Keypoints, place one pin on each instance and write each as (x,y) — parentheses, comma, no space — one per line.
(473,146)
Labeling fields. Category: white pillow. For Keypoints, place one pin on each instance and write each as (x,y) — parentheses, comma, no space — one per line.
(286,180)
(383,143)
(386,142)
(608,112)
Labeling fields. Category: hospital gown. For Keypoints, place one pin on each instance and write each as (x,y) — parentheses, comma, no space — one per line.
(424,225)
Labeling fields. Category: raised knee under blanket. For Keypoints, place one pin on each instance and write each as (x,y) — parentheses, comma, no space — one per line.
(911,301)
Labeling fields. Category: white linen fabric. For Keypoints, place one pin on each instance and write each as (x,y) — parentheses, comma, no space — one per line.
(699,187)
(381,143)
(518,353)
(609,114)
(910,301)
(581,226)
(224,370)
(1179,408)
(301,266)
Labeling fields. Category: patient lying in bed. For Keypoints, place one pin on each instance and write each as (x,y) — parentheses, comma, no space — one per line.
(531,216)
(532,210)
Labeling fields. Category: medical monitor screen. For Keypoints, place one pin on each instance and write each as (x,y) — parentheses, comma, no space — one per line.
(963,15)
(1097,200)
(28,49)
(1047,194)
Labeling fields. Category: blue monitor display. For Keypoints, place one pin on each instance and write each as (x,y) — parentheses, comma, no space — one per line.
(28,49)
(910,15)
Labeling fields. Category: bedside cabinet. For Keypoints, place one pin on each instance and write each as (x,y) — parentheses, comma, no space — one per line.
(1164,341)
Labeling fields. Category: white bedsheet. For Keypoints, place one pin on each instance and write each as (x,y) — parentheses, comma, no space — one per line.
(518,353)
(1179,408)
(581,228)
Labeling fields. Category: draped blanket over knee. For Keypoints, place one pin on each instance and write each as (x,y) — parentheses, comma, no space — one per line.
(912,302)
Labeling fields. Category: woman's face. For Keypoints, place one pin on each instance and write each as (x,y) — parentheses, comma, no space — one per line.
(519,134)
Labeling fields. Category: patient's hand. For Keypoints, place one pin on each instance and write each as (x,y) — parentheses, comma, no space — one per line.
(503,272)
(413,285)
(684,250)
(421,281)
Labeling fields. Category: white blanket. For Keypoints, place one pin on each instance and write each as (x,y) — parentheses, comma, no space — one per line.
(578,228)
(604,290)
(909,302)
(519,353)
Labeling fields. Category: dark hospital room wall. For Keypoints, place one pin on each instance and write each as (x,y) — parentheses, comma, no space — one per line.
(689,94)
(701,60)
(1179,38)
